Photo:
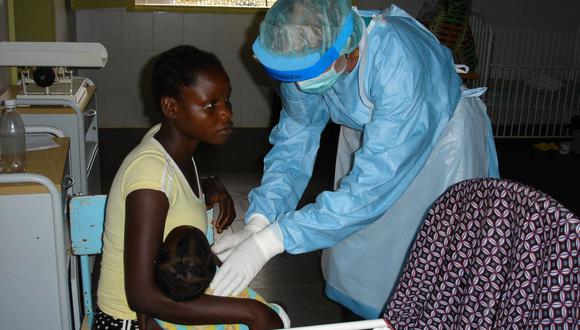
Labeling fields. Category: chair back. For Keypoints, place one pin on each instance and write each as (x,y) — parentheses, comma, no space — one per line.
(87,217)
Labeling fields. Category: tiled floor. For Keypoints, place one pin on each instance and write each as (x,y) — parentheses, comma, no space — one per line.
(295,281)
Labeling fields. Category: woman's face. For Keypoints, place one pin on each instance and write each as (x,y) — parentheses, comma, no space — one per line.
(203,109)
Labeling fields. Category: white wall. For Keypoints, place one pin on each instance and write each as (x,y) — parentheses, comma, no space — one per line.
(133,38)
(4,74)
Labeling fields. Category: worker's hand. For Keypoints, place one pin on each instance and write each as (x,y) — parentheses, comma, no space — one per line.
(240,268)
(216,193)
(225,245)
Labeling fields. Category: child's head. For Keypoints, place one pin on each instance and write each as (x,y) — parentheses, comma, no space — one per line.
(185,265)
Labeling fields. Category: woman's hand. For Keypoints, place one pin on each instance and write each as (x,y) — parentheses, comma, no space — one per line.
(264,318)
(216,193)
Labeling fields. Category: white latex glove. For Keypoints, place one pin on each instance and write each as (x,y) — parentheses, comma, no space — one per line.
(225,245)
(240,268)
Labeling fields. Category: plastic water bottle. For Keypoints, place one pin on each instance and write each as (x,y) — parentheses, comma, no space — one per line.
(12,140)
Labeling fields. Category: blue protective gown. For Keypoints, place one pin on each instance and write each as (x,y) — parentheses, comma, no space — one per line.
(397,105)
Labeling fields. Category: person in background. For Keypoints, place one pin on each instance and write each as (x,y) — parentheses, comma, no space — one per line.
(409,131)
(157,189)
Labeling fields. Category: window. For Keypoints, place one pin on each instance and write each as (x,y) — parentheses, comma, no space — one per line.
(208,3)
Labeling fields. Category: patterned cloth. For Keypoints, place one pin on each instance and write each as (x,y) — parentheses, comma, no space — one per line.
(492,254)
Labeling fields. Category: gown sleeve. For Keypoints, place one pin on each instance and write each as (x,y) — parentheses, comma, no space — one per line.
(288,165)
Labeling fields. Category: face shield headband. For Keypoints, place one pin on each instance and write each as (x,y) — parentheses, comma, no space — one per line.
(292,69)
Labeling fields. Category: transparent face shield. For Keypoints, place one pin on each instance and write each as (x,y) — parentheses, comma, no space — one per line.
(293,69)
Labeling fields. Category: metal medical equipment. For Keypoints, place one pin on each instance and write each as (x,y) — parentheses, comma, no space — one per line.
(47,66)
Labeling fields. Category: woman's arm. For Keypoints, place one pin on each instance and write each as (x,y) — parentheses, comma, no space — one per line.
(146,211)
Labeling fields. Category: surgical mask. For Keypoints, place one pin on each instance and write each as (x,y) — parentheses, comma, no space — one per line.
(322,83)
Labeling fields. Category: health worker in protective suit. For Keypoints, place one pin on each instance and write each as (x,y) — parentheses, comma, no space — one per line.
(409,131)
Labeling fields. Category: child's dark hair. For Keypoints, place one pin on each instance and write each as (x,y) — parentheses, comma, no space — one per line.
(185,265)
(178,67)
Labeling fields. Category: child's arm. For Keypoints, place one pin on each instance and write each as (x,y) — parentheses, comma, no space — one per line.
(216,193)
(146,211)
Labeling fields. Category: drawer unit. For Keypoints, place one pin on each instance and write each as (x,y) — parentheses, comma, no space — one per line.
(39,283)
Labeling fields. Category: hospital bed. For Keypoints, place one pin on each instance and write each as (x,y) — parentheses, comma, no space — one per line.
(533,79)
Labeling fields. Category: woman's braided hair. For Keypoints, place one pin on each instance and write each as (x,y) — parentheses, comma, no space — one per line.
(179,67)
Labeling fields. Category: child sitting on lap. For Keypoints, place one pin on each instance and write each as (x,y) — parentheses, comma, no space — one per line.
(184,269)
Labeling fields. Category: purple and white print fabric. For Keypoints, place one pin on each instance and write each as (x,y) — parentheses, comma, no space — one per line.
(492,254)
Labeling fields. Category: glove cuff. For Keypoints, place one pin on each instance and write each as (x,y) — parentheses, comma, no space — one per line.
(270,240)
(282,314)
(256,222)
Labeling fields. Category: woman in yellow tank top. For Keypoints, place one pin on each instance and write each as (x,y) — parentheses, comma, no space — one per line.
(157,189)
